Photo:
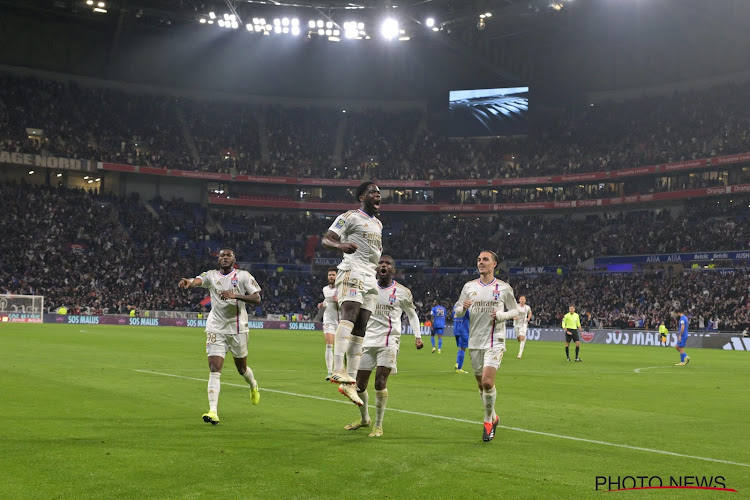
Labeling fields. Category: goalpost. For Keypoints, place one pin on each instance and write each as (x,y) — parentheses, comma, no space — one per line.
(21,308)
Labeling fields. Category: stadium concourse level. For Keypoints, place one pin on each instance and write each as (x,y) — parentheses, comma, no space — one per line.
(212,135)
(102,253)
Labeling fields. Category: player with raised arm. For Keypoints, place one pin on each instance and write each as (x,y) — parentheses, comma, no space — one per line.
(330,317)
(682,336)
(438,325)
(381,343)
(359,235)
(491,303)
(521,323)
(226,327)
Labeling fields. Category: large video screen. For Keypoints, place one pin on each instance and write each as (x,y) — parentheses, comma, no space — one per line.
(488,112)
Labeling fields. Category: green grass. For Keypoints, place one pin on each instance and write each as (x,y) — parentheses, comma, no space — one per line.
(81,422)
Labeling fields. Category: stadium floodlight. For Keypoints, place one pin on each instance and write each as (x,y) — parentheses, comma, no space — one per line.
(334,39)
(89,2)
(31,172)
(295,21)
(488,14)
(232,17)
(98,179)
(329,32)
(212,15)
(249,27)
(256,20)
(261,21)
(285,29)
(336,32)
(100,4)
(285,21)
(210,21)
(226,17)
(404,38)
(350,32)
(430,22)
(320,23)
(221,23)
(321,32)
(435,28)
(59,175)
(101,11)
(389,28)
(277,22)
(277,29)
(311,24)
(295,30)
(329,24)
(202,21)
(360,26)
(268,28)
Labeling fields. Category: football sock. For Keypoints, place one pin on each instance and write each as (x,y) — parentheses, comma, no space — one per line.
(343,332)
(567,352)
(432,339)
(381,397)
(460,358)
(682,357)
(520,349)
(353,355)
(440,342)
(248,376)
(214,387)
(488,398)
(363,410)
(329,358)
(577,349)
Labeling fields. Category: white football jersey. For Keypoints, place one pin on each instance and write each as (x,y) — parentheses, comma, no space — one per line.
(523,312)
(355,226)
(485,330)
(384,327)
(331,301)
(228,316)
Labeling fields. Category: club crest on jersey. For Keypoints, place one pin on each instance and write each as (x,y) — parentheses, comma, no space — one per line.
(392,299)
(235,281)
(352,292)
(496,293)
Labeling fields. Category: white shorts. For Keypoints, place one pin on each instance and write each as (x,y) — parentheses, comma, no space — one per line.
(359,286)
(218,344)
(379,356)
(330,327)
(483,358)
(521,330)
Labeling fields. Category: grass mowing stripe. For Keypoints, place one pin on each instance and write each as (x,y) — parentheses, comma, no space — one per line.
(442,417)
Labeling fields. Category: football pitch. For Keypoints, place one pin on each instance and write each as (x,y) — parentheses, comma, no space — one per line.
(115,412)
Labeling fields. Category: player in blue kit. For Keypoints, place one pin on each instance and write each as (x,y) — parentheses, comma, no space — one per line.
(438,325)
(461,331)
(682,333)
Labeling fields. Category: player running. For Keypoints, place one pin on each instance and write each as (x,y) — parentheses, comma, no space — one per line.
(358,234)
(226,327)
(491,303)
(330,317)
(521,323)
(381,343)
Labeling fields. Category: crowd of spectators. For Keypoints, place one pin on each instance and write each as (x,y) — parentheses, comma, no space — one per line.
(103,253)
(221,136)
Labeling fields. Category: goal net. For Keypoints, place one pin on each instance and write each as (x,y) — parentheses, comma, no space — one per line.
(21,308)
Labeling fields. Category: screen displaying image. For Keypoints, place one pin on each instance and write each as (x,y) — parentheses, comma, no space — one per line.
(488,112)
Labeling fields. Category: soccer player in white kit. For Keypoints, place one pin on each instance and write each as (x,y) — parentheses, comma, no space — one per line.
(521,323)
(491,303)
(359,235)
(226,327)
(382,339)
(330,317)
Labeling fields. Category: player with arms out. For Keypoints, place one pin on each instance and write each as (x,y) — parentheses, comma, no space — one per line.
(330,317)
(521,323)
(438,325)
(359,235)
(226,327)
(381,344)
(491,303)
(461,331)
(682,336)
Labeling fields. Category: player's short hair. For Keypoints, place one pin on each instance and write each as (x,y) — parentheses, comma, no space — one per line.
(362,189)
(494,255)
(226,248)
(332,268)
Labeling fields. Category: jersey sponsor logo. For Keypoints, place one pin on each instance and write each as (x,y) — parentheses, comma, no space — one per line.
(587,336)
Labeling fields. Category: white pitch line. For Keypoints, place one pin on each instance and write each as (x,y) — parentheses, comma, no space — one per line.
(638,370)
(442,417)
